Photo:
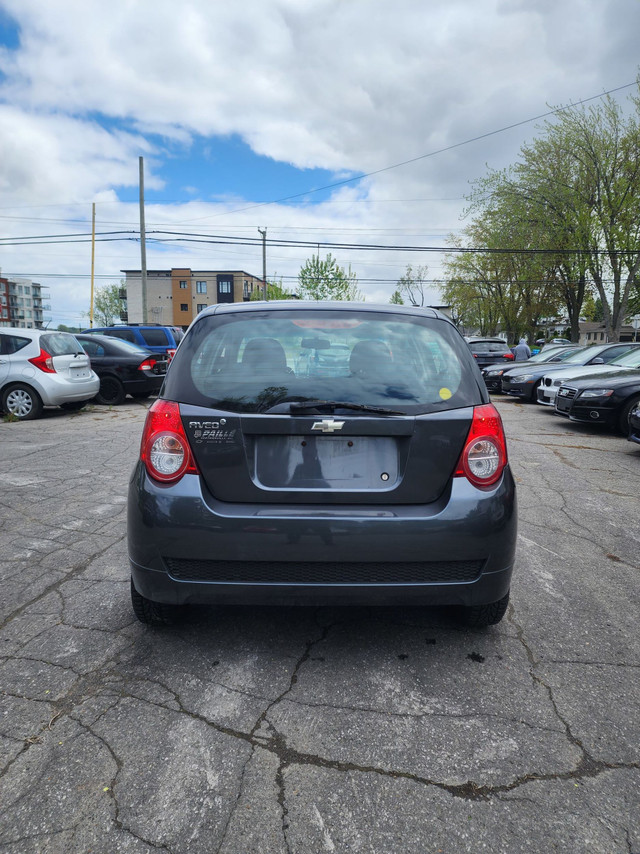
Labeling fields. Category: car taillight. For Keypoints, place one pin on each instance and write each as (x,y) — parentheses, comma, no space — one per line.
(165,448)
(485,451)
(147,365)
(509,356)
(44,362)
(170,354)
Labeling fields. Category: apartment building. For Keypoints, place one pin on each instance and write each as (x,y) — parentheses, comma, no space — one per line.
(176,296)
(22,303)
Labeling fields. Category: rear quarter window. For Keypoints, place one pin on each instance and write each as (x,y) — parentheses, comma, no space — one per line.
(10,344)
(250,362)
(124,334)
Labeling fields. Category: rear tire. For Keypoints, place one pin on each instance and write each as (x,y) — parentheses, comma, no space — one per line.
(481,616)
(22,402)
(152,613)
(623,421)
(111,392)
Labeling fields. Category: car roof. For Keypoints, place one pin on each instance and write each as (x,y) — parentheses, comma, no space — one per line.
(320,305)
(33,333)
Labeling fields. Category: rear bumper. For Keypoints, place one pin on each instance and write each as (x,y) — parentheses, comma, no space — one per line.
(151,383)
(185,547)
(58,390)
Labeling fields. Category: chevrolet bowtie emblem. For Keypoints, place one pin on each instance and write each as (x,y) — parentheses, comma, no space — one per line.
(328,425)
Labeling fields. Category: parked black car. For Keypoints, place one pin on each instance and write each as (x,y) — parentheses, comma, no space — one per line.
(606,398)
(523,381)
(158,339)
(634,424)
(261,481)
(493,374)
(486,351)
(123,368)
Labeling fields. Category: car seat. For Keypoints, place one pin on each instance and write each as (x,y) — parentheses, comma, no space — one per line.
(264,356)
(371,359)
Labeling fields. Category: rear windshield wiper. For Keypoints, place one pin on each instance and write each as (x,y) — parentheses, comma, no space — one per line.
(313,406)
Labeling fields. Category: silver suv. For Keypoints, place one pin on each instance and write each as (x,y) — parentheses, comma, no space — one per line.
(38,368)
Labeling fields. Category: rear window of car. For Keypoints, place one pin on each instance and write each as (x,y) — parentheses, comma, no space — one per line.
(488,347)
(251,362)
(155,337)
(60,344)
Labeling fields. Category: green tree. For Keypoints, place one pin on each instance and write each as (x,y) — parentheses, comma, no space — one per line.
(396,298)
(64,328)
(275,291)
(578,187)
(327,280)
(492,288)
(107,305)
(412,284)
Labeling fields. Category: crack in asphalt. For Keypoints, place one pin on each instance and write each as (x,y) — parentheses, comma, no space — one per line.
(54,586)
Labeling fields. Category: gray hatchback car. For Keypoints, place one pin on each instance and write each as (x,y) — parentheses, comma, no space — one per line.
(381,479)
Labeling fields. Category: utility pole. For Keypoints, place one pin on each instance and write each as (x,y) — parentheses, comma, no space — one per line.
(143,246)
(93,258)
(263,232)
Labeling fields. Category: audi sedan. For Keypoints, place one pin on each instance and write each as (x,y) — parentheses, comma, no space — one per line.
(606,398)
(629,358)
(385,480)
(524,382)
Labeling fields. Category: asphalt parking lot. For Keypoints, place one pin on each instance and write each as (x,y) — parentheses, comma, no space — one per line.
(286,731)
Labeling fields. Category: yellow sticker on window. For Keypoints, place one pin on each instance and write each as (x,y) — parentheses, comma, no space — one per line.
(445,393)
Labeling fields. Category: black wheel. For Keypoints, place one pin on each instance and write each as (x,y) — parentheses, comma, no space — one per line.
(623,421)
(140,395)
(152,613)
(74,405)
(22,402)
(111,392)
(481,616)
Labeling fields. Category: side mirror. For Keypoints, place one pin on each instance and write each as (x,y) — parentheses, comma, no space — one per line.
(597,361)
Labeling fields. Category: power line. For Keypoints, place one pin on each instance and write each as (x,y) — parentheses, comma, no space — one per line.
(159,237)
(425,156)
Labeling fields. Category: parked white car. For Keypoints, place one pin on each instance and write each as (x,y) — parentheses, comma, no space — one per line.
(548,388)
(40,367)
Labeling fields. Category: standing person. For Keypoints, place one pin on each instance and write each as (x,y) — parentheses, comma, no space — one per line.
(521,351)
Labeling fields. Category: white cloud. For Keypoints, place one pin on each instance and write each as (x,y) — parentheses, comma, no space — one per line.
(355,85)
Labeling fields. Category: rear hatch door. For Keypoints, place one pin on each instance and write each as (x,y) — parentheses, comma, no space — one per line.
(336,459)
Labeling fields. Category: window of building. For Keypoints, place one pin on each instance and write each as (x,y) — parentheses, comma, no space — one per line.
(201,287)
(184,306)
(201,306)
(183,284)
(224,287)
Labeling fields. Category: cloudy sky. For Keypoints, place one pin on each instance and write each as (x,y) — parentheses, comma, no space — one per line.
(265,114)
